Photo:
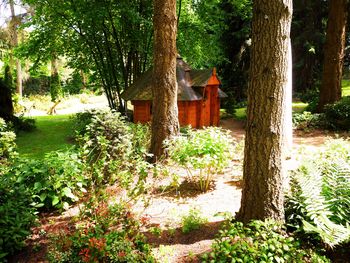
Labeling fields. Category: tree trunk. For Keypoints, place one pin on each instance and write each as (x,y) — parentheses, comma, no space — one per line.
(15,44)
(55,85)
(165,121)
(262,194)
(333,54)
(6,108)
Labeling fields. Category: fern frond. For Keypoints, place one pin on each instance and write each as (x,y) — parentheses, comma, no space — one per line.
(319,209)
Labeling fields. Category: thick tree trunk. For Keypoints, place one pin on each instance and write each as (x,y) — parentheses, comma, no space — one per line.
(15,44)
(333,53)
(262,194)
(165,121)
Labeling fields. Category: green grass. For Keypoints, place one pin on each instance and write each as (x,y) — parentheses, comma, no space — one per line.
(52,134)
(346,87)
(240,113)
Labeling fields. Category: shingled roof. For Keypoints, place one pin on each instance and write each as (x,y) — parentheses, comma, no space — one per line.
(187,79)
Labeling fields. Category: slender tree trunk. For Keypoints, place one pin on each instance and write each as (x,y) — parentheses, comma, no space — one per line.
(165,121)
(262,194)
(333,53)
(15,44)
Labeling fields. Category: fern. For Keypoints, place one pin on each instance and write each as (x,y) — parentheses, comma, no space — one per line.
(321,194)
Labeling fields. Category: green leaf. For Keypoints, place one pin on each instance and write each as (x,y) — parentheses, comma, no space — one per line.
(68,192)
(55,200)
(38,186)
(43,197)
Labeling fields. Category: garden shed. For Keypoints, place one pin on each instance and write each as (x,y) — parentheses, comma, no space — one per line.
(198,96)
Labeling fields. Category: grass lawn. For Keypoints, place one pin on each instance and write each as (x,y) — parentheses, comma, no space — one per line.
(52,134)
(240,113)
(346,87)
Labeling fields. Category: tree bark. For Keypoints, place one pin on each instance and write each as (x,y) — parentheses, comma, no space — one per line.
(262,193)
(165,121)
(334,48)
(6,108)
(19,88)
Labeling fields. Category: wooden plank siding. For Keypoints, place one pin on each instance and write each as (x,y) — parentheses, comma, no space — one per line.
(197,113)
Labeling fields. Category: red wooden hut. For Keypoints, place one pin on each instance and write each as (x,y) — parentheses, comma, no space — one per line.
(198,96)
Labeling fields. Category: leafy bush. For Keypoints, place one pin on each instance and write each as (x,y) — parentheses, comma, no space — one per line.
(311,96)
(55,181)
(113,151)
(258,242)
(319,200)
(7,143)
(208,150)
(81,121)
(16,215)
(306,120)
(338,114)
(22,124)
(36,85)
(105,234)
(192,221)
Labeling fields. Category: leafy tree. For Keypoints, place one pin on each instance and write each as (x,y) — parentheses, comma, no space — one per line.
(262,194)
(14,23)
(235,41)
(165,121)
(110,38)
(199,27)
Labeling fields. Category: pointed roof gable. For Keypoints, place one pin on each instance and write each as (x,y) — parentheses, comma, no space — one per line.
(186,79)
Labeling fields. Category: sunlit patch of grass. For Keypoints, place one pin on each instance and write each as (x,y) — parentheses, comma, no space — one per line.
(240,113)
(52,134)
(346,87)
(299,106)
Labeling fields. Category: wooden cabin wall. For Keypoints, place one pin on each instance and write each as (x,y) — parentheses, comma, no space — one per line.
(142,111)
(188,113)
(214,105)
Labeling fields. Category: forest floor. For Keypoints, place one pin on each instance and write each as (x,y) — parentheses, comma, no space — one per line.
(166,209)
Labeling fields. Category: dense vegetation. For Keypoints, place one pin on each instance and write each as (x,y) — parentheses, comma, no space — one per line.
(99,163)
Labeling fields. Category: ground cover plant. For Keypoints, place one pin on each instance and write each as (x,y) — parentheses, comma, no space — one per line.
(104,233)
(17,215)
(259,242)
(56,181)
(319,200)
(202,153)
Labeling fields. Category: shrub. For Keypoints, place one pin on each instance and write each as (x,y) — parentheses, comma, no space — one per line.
(55,181)
(306,120)
(105,234)
(112,150)
(81,120)
(319,200)
(192,221)
(16,213)
(258,242)
(22,124)
(208,151)
(338,114)
(7,143)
